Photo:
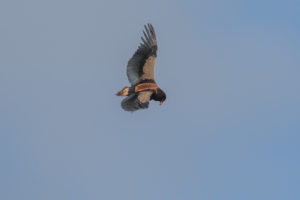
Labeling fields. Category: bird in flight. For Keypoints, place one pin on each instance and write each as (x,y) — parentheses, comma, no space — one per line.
(140,73)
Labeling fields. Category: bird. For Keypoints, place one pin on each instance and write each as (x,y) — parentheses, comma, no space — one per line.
(140,73)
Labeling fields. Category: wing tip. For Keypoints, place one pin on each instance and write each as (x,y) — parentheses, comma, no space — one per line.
(149,38)
(132,103)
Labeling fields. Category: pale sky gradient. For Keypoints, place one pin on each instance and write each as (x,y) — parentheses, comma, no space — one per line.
(229,129)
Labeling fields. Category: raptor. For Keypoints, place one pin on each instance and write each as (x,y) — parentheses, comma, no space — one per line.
(140,73)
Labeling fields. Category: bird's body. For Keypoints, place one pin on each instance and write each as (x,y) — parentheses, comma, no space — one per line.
(140,73)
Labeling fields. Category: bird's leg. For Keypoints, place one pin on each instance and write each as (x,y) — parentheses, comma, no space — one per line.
(123,92)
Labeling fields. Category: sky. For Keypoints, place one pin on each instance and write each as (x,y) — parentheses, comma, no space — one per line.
(229,128)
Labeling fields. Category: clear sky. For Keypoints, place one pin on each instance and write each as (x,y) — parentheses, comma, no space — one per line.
(229,129)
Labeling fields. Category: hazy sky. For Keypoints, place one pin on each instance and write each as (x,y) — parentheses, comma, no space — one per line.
(229,129)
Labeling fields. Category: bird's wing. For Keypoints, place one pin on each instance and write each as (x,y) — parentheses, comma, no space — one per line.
(137,101)
(141,65)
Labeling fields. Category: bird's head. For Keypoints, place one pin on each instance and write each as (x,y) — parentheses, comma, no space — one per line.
(159,95)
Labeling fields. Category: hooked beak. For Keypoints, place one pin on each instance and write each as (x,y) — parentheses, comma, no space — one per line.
(161,102)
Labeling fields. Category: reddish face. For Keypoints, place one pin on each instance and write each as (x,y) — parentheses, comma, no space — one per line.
(161,102)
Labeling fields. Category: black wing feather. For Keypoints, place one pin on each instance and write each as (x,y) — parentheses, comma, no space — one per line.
(147,48)
(137,101)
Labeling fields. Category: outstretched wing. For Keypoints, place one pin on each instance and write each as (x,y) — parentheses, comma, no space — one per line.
(141,65)
(137,101)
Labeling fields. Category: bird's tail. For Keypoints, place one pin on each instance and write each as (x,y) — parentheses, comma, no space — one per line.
(123,92)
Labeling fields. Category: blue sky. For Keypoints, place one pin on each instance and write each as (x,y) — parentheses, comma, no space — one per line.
(229,128)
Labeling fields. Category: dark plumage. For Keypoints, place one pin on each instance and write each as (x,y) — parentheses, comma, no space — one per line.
(140,73)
